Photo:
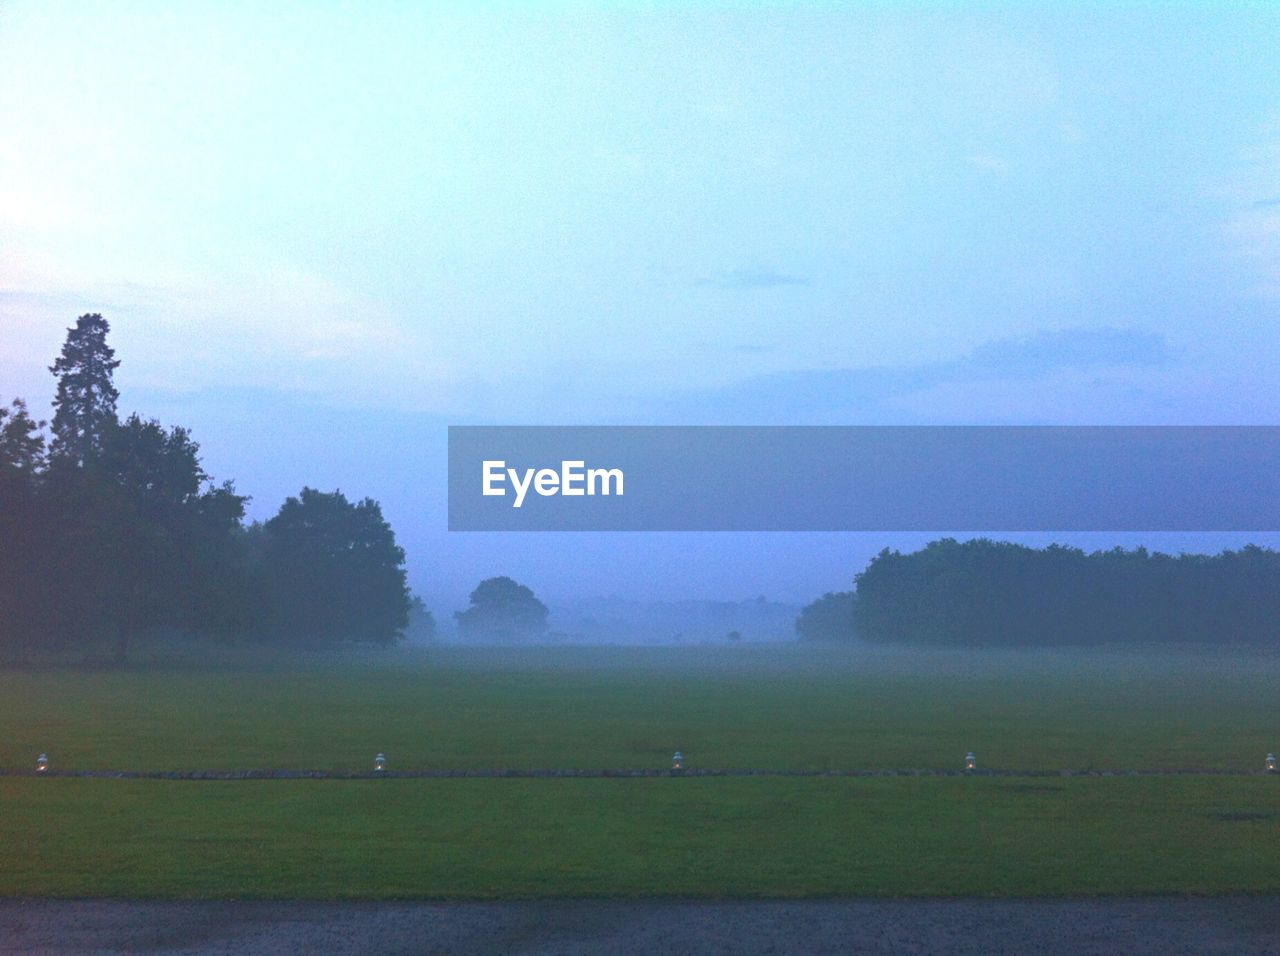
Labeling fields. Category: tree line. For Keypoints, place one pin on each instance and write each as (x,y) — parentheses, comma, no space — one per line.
(110,530)
(993,593)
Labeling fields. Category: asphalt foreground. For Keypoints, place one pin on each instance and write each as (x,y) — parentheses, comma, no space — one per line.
(1234,925)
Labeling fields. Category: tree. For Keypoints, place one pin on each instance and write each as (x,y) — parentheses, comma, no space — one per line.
(117,531)
(159,469)
(829,618)
(332,571)
(225,599)
(85,404)
(25,579)
(502,610)
(174,544)
(990,593)
(422,623)
(22,446)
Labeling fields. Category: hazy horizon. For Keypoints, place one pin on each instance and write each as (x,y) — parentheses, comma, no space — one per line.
(322,235)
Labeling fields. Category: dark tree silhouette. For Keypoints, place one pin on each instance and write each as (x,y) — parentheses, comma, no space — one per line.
(85,404)
(116,530)
(985,592)
(502,610)
(422,623)
(22,444)
(174,541)
(829,618)
(332,571)
(25,580)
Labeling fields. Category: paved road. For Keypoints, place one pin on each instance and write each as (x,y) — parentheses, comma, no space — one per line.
(1232,925)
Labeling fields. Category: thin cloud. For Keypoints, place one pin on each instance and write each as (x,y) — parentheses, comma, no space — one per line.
(1047,352)
(809,394)
(1252,225)
(747,278)
(989,162)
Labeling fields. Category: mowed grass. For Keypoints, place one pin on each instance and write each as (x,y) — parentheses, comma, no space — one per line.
(747,707)
(698,837)
(789,707)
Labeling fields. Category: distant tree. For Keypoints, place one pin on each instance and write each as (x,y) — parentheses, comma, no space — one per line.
(422,623)
(223,598)
(22,444)
(332,571)
(85,404)
(115,530)
(175,536)
(829,618)
(160,469)
(985,593)
(142,541)
(82,515)
(502,610)
(25,578)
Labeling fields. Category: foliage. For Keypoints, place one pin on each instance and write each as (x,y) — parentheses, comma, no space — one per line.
(502,610)
(829,618)
(115,531)
(422,623)
(22,444)
(985,592)
(24,574)
(332,571)
(85,404)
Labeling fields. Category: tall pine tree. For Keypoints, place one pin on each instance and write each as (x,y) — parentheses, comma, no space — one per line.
(85,406)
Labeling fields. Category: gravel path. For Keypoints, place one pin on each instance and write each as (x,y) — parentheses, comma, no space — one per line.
(1231,925)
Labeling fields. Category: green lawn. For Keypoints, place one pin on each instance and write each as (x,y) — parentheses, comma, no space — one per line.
(790,707)
(694,837)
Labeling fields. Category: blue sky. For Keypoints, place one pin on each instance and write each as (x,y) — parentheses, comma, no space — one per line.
(323,232)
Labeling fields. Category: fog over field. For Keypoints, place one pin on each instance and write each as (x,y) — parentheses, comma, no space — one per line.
(811,706)
(614,620)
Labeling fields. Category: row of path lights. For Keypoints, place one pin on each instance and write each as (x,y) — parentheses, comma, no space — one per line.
(677,762)
(971,762)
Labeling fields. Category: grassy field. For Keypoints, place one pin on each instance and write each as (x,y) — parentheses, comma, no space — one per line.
(770,707)
(789,707)
(694,837)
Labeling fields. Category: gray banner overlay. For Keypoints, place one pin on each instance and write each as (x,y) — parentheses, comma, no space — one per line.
(864,478)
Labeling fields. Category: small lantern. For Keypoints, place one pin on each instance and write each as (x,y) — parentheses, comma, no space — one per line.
(42,763)
(1271,763)
(677,761)
(380,763)
(970,762)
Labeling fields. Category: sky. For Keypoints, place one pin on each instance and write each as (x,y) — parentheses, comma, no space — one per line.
(323,232)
